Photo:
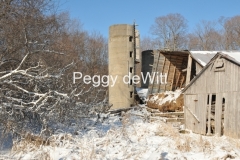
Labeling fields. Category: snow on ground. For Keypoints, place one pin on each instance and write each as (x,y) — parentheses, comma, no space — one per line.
(168,96)
(131,137)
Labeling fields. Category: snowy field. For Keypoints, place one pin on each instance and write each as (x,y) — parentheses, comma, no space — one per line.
(131,136)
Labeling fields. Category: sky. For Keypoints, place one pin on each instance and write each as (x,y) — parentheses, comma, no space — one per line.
(98,15)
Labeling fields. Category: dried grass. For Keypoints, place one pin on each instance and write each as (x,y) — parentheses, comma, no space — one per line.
(126,139)
(35,143)
(166,129)
(183,144)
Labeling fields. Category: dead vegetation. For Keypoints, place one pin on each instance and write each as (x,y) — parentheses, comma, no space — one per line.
(168,106)
(198,143)
(38,54)
(132,140)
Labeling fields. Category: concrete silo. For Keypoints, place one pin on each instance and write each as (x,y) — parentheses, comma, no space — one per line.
(122,58)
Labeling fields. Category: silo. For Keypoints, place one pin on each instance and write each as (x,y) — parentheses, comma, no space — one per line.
(138,60)
(147,64)
(121,50)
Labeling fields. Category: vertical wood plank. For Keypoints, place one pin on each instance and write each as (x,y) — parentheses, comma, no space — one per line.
(173,77)
(218,114)
(189,69)
(209,114)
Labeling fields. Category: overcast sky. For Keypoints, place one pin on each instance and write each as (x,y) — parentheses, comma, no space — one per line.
(98,15)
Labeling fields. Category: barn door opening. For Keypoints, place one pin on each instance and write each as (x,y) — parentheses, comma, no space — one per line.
(222,120)
(210,120)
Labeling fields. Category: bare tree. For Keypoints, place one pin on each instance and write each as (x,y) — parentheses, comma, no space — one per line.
(231,32)
(89,54)
(37,57)
(148,43)
(206,37)
(96,53)
(170,31)
(193,42)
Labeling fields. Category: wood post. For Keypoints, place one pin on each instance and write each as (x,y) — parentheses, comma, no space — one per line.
(209,114)
(192,114)
(178,79)
(159,85)
(168,72)
(189,70)
(173,78)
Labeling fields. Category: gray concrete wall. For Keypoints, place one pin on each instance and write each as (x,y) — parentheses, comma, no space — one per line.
(147,62)
(121,59)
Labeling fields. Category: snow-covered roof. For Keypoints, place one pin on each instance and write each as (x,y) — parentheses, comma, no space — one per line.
(203,57)
(232,55)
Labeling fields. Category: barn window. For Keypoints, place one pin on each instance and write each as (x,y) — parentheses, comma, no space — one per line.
(131,69)
(130,54)
(130,38)
(219,65)
(131,94)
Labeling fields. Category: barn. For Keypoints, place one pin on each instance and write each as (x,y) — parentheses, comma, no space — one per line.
(180,67)
(212,98)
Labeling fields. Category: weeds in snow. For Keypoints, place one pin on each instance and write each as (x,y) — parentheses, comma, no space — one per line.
(135,139)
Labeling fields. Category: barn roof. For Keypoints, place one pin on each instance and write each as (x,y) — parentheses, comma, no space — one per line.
(203,57)
(232,56)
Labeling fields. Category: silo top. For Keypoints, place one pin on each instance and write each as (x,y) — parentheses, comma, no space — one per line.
(120,30)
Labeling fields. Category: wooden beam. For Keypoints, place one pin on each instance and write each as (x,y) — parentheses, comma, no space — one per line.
(180,74)
(178,114)
(173,78)
(168,72)
(178,78)
(189,69)
(182,81)
(159,86)
(155,70)
(192,114)
(184,70)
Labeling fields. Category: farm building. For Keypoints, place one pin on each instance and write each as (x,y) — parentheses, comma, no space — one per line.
(124,58)
(179,66)
(212,98)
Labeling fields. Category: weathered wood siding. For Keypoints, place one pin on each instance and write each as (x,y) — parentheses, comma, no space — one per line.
(225,84)
(172,64)
(195,112)
(198,68)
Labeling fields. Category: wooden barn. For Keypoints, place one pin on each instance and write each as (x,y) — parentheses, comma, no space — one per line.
(179,66)
(212,98)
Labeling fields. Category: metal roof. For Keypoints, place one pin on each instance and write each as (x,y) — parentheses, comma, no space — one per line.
(203,57)
(233,56)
